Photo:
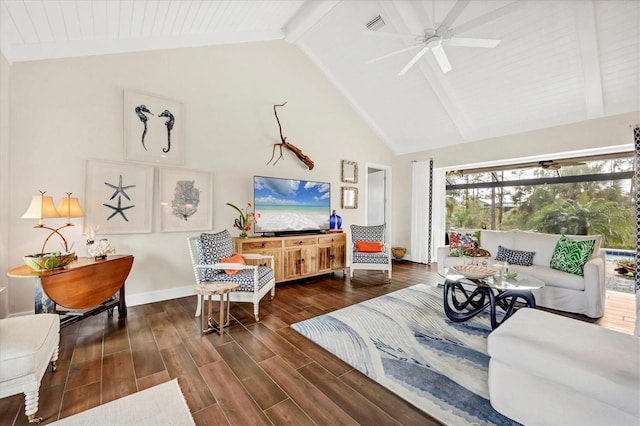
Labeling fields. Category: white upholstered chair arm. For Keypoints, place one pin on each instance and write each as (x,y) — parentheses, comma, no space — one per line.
(223,266)
(595,284)
(257,256)
(441,254)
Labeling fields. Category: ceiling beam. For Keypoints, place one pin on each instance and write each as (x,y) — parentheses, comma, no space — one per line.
(587,32)
(403,15)
(306,17)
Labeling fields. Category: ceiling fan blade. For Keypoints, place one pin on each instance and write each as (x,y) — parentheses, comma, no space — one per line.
(396,52)
(413,60)
(442,59)
(472,42)
(488,17)
(453,14)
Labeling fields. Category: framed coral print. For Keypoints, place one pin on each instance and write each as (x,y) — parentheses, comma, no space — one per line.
(153,129)
(118,197)
(185,200)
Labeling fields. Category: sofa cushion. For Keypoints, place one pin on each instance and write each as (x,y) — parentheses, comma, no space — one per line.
(570,256)
(515,257)
(551,277)
(460,241)
(544,244)
(211,249)
(27,343)
(490,240)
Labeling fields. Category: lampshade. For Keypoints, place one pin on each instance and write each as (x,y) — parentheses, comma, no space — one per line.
(70,207)
(41,207)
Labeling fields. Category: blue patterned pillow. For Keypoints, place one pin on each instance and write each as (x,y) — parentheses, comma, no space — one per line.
(211,249)
(570,256)
(515,257)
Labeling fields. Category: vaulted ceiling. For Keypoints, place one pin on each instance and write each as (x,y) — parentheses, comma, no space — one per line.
(557,62)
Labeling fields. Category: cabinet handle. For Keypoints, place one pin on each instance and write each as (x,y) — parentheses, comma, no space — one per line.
(301,260)
(262,245)
(300,242)
(332,256)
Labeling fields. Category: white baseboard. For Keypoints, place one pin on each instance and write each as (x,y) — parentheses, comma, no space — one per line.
(142,298)
(159,296)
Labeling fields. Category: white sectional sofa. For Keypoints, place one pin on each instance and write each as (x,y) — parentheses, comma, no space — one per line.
(582,294)
(546,369)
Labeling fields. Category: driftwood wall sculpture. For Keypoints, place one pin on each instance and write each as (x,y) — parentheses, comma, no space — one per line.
(284,144)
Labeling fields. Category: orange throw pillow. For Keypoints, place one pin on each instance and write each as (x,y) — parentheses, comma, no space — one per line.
(235,258)
(369,246)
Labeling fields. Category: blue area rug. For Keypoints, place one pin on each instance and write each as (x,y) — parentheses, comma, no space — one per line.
(404,342)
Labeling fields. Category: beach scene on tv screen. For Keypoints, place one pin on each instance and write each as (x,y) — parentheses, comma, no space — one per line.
(285,205)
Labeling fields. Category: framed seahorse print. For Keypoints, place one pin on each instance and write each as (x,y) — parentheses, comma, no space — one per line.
(153,129)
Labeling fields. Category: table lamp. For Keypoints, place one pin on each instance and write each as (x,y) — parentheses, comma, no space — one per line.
(42,207)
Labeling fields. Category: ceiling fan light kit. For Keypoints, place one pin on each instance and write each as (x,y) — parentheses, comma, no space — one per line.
(435,39)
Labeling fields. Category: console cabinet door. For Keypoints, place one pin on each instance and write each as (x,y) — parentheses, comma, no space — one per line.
(325,252)
(300,261)
(331,252)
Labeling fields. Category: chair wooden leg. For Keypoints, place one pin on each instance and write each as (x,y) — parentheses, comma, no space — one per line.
(221,323)
(201,300)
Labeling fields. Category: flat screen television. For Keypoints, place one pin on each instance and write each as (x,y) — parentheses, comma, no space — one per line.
(287,206)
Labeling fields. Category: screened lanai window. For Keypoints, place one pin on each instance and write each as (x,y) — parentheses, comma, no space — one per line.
(583,196)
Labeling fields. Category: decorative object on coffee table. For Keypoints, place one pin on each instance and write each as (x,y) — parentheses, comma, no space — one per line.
(474,272)
(284,144)
(477,255)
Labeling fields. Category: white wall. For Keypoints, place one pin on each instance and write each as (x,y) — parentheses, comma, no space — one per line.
(594,134)
(4,182)
(62,112)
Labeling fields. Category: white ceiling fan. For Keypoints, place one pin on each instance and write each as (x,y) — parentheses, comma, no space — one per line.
(435,38)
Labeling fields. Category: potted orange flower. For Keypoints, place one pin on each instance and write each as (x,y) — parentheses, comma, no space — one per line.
(245,221)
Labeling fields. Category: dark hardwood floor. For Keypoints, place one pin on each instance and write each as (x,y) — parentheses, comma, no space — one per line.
(257,373)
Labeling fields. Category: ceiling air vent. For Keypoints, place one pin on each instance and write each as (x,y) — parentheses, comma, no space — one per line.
(376,23)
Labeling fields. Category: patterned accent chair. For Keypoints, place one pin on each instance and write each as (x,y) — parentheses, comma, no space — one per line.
(380,261)
(255,281)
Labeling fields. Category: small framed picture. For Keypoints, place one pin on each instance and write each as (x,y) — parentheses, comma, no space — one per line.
(185,200)
(118,197)
(153,129)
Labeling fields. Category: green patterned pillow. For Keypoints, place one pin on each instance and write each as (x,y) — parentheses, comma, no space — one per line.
(570,256)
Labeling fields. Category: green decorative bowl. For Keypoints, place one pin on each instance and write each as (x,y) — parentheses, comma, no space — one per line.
(48,261)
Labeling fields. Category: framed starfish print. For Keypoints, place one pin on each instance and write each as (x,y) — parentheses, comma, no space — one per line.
(153,128)
(118,197)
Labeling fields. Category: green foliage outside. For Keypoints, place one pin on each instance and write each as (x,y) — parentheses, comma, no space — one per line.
(585,208)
